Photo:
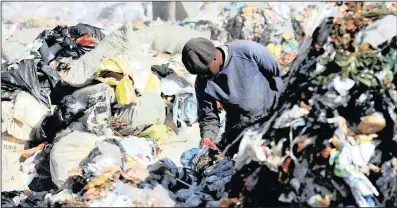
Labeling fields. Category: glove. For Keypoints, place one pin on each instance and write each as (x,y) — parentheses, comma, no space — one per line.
(207,142)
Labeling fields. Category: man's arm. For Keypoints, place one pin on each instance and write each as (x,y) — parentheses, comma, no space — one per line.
(267,65)
(208,117)
(264,58)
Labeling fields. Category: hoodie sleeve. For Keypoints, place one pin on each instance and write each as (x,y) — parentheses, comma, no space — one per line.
(264,58)
(267,65)
(208,117)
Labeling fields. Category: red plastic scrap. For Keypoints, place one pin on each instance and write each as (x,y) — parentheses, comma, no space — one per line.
(86,40)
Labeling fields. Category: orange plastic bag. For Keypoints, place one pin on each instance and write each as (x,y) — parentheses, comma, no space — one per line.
(86,40)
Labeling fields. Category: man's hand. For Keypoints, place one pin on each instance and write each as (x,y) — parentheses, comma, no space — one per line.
(207,142)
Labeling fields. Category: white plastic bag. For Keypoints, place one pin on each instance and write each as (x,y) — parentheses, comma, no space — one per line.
(22,116)
(113,200)
(12,176)
(29,169)
(110,155)
(67,154)
(138,148)
(159,196)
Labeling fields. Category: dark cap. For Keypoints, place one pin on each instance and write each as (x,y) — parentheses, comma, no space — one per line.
(198,54)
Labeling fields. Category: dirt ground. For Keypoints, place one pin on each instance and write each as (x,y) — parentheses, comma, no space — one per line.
(173,146)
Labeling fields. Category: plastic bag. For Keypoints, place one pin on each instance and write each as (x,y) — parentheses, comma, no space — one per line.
(21,44)
(100,114)
(149,110)
(35,199)
(29,169)
(7,198)
(64,114)
(168,38)
(125,93)
(381,30)
(113,200)
(185,108)
(12,176)
(159,196)
(86,40)
(64,44)
(68,152)
(139,148)
(31,76)
(109,155)
(156,131)
(13,127)
(144,80)
(19,119)
(171,82)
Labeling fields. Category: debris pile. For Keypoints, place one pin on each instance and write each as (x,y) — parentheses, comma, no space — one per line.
(84,110)
(331,140)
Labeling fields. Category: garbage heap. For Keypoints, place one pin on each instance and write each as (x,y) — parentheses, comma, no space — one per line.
(83,113)
(280,27)
(332,138)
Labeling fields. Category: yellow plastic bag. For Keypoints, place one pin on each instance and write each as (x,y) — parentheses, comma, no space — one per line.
(116,64)
(275,49)
(125,92)
(153,84)
(286,37)
(156,131)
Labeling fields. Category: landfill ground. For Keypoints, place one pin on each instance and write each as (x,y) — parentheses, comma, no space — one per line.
(175,145)
(99,110)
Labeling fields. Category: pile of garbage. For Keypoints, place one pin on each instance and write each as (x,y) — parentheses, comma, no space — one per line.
(84,111)
(332,138)
(279,26)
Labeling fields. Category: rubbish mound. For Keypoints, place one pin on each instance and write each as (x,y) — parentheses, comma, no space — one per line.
(332,139)
(84,112)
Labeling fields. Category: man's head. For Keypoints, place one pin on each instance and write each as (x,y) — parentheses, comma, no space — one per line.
(200,57)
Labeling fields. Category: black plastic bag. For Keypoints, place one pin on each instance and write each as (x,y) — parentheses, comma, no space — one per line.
(43,181)
(60,41)
(164,72)
(33,77)
(68,111)
(7,196)
(75,183)
(82,29)
(35,199)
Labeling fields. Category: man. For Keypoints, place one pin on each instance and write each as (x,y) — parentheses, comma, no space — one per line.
(243,76)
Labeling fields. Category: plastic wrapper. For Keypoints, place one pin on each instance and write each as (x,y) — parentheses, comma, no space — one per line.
(185,108)
(106,153)
(99,118)
(140,148)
